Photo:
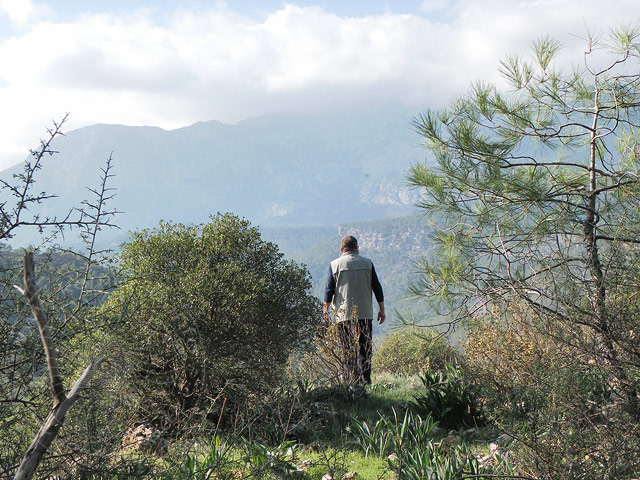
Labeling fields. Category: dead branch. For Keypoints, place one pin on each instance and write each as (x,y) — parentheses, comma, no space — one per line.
(61,402)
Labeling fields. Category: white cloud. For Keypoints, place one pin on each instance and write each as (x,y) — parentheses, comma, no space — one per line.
(21,12)
(215,64)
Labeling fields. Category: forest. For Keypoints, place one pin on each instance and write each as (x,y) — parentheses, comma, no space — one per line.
(199,352)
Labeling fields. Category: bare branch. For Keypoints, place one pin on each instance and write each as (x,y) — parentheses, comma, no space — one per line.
(61,402)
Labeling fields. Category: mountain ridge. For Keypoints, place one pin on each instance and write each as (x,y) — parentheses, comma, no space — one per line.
(273,170)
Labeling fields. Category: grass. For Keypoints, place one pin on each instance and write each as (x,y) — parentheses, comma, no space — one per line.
(340,462)
(335,446)
(387,392)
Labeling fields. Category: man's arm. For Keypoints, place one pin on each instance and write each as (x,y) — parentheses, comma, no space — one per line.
(329,292)
(376,286)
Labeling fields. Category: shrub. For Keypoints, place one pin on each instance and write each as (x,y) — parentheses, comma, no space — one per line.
(409,351)
(558,403)
(211,314)
(448,398)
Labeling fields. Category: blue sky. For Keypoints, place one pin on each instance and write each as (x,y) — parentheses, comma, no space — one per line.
(255,9)
(171,64)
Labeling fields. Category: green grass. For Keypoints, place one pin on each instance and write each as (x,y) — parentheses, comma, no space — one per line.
(336,447)
(387,392)
(340,462)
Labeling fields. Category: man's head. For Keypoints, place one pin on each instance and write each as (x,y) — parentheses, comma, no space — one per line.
(349,244)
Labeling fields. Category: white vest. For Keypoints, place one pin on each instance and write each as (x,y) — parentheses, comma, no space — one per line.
(352,298)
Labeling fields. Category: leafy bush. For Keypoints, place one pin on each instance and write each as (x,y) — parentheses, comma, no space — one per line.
(212,313)
(448,398)
(409,351)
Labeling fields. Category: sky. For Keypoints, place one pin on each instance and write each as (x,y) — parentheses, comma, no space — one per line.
(173,63)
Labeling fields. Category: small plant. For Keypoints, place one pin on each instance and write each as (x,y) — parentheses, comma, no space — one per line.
(393,435)
(438,461)
(263,460)
(411,452)
(448,398)
(201,467)
(371,439)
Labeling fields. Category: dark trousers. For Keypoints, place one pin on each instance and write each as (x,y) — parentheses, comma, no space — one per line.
(357,345)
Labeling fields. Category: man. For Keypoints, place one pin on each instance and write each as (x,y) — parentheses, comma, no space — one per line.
(351,280)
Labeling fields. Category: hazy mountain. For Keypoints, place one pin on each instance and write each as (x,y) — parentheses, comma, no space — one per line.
(275,171)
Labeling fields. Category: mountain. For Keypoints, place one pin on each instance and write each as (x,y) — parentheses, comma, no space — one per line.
(273,170)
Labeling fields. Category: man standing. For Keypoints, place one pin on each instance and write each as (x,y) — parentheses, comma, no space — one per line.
(350,282)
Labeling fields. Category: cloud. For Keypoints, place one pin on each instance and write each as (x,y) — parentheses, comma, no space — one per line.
(21,12)
(177,67)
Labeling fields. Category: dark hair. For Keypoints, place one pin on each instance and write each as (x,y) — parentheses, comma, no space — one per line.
(349,243)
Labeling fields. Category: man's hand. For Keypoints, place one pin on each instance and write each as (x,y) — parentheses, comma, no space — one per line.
(325,313)
(381,315)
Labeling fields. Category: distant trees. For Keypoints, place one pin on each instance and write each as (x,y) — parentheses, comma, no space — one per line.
(537,197)
(212,313)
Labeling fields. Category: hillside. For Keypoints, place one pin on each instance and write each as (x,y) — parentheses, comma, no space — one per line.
(274,171)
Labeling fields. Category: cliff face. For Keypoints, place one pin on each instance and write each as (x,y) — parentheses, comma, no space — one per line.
(414,241)
(408,235)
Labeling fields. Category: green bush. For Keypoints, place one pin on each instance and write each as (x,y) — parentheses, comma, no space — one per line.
(409,351)
(211,314)
(448,398)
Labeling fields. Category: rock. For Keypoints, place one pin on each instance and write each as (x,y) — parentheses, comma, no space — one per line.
(144,439)
(491,432)
(495,450)
(327,476)
(349,476)
(451,439)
